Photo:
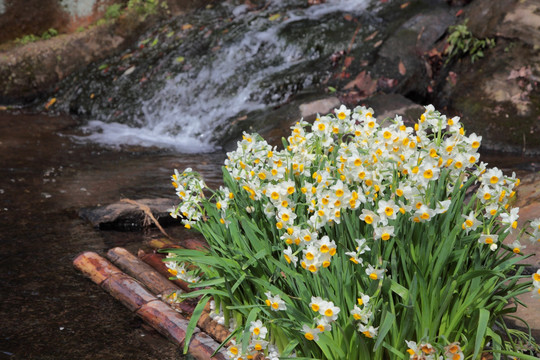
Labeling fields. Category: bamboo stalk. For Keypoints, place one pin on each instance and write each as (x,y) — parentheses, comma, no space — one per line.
(165,243)
(156,262)
(156,313)
(140,270)
(217,331)
(95,267)
(162,243)
(128,291)
(172,325)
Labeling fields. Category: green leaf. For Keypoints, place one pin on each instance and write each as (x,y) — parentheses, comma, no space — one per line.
(180,59)
(329,348)
(387,323)
(399,290)
(238,282)
(515,354)
(483,318)
(193,321)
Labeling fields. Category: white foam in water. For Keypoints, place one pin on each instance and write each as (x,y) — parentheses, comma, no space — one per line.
(186,112)
(115,134)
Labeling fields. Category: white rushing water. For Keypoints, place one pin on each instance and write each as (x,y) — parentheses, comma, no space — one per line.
(186,111)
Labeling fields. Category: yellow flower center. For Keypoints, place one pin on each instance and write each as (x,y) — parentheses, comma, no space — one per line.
(309,336)
(173,272)
(373,276)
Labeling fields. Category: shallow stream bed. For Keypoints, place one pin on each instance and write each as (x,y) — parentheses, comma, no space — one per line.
(48,309)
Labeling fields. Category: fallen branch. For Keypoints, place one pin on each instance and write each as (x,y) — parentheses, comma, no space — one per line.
(148,215)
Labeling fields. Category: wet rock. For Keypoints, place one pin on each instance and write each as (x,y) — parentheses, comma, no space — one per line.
(402,55)
(523,22)
(34,68)
(498,95)
(127,216)
(321,106)
(485,16)
(390,105)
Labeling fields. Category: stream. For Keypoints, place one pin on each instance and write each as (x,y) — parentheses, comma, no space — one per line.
(48,309)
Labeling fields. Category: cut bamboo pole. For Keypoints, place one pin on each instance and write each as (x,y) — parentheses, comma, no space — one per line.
(156,262)
(165,243)
(95,267)
(215,330)
(151,278)
(141,271)
(153,311)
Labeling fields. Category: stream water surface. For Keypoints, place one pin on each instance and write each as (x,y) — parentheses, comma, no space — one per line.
(48,309)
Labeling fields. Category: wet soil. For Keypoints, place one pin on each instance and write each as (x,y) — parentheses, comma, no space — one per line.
(48,309)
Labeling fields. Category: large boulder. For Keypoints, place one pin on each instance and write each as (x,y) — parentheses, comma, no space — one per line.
(498,95)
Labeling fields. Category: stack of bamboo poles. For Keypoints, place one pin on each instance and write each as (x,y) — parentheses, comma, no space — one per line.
(142,285)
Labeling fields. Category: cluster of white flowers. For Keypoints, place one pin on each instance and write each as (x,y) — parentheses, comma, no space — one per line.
(536,283)
(234,351)
(327,313)
(426,351)
(189,188)
(349,160)
(180,271)
(350,163)
(364,315)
